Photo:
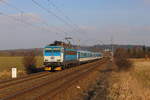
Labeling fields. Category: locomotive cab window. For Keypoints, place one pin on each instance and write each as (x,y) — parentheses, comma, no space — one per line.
(53,50)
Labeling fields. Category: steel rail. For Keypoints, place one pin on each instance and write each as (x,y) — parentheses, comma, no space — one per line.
(8,80)
(11,82)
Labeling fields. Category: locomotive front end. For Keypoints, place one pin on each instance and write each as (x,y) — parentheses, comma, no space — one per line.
(53,57)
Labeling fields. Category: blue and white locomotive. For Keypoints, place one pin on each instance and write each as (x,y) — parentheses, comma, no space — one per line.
(59,56)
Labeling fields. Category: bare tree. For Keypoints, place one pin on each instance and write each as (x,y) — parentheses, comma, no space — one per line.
(29,62)
(121,59)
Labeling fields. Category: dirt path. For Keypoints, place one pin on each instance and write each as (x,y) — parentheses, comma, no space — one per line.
(99,90)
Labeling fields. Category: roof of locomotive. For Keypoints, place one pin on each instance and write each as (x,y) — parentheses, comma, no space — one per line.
(53,46)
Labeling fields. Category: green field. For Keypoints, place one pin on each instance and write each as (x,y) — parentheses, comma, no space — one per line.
(8,62)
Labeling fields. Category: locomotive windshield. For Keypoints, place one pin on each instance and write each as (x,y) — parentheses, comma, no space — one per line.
(52,49)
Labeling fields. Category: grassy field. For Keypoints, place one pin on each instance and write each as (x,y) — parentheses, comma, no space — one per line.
(133,84)
(8,62)
(142,72)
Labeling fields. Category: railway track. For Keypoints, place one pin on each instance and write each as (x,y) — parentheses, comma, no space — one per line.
(50,86)
(10,82)
(70,80)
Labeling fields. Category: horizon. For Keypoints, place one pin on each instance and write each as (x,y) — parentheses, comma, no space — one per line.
(80,45)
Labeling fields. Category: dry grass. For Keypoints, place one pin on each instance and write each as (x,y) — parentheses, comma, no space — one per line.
(132,85)
(142,72)
(6,74)
(8,62)
(140,60)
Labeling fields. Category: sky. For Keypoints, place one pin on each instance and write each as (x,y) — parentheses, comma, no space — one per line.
(23,24)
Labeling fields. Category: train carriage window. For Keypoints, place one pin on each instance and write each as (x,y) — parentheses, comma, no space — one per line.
(82,55)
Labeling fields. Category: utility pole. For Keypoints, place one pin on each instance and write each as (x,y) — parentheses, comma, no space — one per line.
(78,44)
(112,48)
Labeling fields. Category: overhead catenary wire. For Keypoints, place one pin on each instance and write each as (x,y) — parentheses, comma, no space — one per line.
(16,19)
(24,22)
(12,6)
(31,24)
(54,14)
(62,13)
(67,18)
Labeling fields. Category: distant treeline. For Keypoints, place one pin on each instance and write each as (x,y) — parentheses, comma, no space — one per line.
(136,52)
(143,52)
(22,52)
(133,51)
(122,55)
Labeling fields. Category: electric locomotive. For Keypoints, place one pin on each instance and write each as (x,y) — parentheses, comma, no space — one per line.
(59,56)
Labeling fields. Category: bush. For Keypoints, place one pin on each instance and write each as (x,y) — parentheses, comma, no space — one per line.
(121,59)
(29,62)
